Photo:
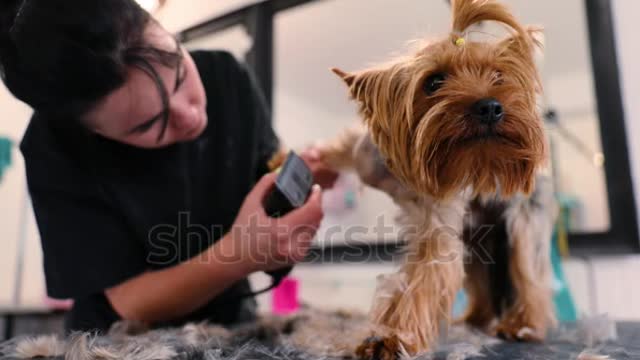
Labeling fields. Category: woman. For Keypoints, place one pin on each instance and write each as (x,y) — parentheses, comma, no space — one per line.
(141,162)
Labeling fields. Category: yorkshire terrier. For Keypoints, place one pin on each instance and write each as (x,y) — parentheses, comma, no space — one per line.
(453,134)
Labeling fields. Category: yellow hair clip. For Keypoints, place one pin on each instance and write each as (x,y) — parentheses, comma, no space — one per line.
(459,41)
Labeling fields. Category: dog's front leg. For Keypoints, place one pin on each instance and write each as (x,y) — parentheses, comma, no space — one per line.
(529,227)
(339,153)
(411,307)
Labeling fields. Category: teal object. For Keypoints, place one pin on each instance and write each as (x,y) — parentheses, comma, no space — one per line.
(562,299)
(5,155)
(350,199)
(460,304)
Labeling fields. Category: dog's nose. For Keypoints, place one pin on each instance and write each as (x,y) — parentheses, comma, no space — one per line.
(488,111)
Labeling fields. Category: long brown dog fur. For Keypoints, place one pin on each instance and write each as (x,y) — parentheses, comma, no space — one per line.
(455,179)
(422,135)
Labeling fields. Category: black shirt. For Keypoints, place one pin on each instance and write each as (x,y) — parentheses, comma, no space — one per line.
(107,211)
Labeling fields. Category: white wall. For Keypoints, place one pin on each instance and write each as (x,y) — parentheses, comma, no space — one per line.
(625,13)
(14,117)
(179,14)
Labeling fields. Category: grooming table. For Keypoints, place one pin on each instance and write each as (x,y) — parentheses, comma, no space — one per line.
(626,346)
(320,336)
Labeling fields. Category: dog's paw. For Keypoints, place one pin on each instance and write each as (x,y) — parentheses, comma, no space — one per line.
(378,348)
(521,326)
(477,319)
(277,159)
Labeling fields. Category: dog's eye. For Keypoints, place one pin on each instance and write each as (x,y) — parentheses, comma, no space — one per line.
(434,82)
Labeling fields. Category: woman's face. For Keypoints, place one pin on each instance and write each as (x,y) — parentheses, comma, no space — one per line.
(133,113)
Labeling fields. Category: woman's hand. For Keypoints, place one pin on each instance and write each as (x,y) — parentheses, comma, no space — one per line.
(260,243)
(255,243)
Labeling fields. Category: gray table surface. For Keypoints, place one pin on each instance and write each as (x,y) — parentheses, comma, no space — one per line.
(626,346)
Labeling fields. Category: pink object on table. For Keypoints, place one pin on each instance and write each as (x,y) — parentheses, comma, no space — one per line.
(284,298)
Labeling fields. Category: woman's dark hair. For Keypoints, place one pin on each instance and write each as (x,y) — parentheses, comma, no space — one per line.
(61,56)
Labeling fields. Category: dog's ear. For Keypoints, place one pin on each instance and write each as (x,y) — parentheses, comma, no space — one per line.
(345,76)
(519,50)
(374,89)
(362,84)
(522,44)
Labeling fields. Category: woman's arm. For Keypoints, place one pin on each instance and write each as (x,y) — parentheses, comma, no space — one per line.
(255,243)
(179,290)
